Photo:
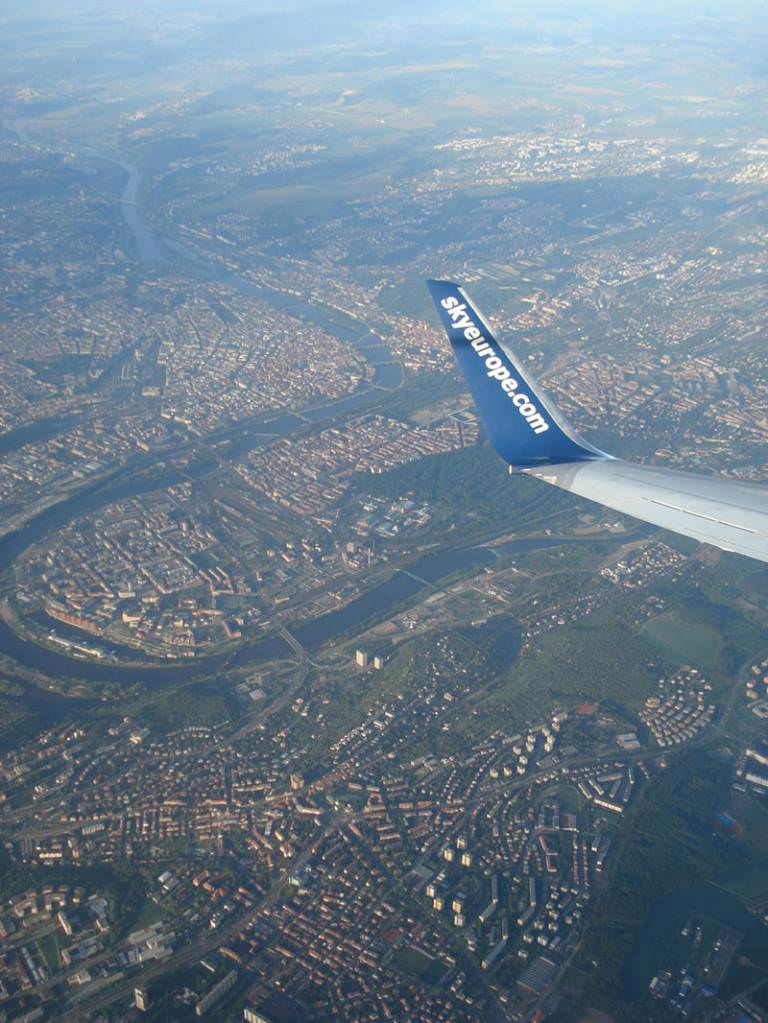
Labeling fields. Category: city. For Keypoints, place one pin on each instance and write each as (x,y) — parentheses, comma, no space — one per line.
(310,710)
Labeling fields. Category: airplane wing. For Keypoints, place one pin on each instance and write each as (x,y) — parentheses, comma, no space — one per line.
(530,433)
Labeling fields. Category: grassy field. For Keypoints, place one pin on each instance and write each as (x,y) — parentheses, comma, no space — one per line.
(752,817)
(422,966)
(150,913)
(198,704)
(701,631)
(593,660)
(681,637)
(751,885)
(49,948)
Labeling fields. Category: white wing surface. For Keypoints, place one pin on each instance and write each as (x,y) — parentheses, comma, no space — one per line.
(531,434)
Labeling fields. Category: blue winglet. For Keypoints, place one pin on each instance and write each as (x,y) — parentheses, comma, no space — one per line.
(525,429)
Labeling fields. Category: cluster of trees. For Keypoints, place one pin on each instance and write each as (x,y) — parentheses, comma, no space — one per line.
(468,491)
(668,843)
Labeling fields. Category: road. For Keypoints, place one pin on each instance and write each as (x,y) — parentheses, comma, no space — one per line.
(196,951)
(185,956)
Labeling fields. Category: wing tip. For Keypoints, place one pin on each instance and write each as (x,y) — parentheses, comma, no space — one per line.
(507,398)
(437,283)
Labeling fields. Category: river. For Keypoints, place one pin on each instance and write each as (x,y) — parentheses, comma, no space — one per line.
(376,604)
(146,244)
(155,251)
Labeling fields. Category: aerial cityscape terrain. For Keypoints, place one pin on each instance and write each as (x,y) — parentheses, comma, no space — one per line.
(309,710)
